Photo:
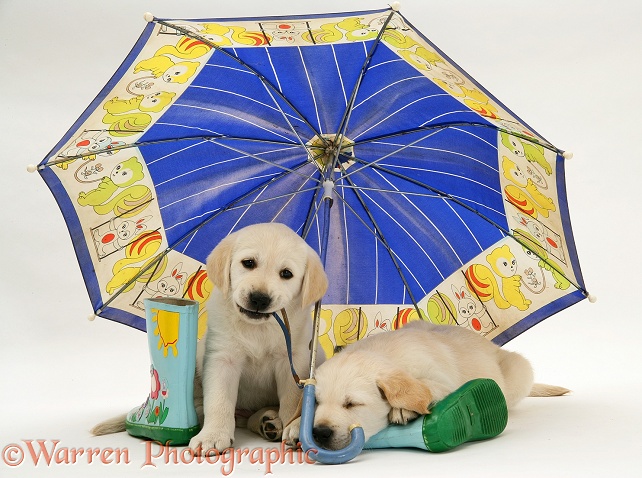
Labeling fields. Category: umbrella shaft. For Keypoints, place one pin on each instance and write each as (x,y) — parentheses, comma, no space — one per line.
(328,186)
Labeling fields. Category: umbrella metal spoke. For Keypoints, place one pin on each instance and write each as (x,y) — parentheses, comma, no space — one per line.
(261,77)
(343,125)
(456,124)
(193,231)
(379,233)
(271,163)
(292,128)
(367,164)
(415,193)
(501,228)
(64,159)
(382,241)
(426,218)
(274,198)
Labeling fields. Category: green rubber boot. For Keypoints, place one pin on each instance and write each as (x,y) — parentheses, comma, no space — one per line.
(168,415)
(475,411)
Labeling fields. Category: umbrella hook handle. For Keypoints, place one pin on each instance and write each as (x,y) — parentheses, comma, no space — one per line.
(314,451)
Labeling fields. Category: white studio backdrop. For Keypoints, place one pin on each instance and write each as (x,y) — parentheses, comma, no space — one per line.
(570,69)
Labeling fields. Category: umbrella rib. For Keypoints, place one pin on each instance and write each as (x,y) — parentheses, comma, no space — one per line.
(276,165)
(312,213)
(383,241)
(425,195)
(413,239)
(285,117)
(373,163)
(260,76)
(483,216)
(217,137)
(425,217)
(192,231)
(378,238)
(456,124)
(274,198)
(343,125)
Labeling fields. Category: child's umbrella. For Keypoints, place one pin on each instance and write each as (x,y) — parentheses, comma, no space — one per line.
(428,198)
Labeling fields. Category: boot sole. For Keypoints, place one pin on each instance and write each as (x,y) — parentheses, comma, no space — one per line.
(164,435)
(475,411)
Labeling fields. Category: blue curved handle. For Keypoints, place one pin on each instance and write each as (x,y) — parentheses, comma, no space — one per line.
(314,451)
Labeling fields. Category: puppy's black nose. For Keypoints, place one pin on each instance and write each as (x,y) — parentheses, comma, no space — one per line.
(322,435)
(259,301)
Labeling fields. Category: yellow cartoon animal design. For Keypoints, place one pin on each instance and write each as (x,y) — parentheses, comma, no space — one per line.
(481,280)
(223,35)
(327,33)
(125,273)
(503,263)
(533,152)
(118,193)
(421,58)
(127,117)
(537,201)
(170,72)
(162,66)
(353,29)
(198,287)
(474,99)
(167,326)
(441,310)
(524,203)
(534,249)
(324,332)
(187,48)
(404,316)
(349,326)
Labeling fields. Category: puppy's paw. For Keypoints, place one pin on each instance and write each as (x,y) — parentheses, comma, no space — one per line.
(209,442)
(401,416)
(266,422)
(271,427)
(291,433)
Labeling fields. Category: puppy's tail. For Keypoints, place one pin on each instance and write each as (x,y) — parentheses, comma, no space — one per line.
(113,425)
(543,390)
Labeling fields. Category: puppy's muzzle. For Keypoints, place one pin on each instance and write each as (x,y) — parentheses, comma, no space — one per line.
(322,435)
(257,303)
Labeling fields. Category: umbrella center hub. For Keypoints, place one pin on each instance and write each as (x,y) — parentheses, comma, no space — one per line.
(326,147)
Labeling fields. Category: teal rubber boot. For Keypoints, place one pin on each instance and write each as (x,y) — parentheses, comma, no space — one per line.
(168,415)
(475,411)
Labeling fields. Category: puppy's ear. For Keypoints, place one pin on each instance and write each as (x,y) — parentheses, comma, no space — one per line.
(315,281)
(219,262)
(401,390)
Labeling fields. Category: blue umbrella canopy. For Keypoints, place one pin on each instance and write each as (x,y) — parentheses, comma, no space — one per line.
(426,197)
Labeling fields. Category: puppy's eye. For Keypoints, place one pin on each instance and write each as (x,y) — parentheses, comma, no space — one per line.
(286,274)
(348,404)
(249,263)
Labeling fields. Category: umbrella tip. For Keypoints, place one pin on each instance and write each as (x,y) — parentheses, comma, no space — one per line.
(148,17)
(32,168)
(395,6)
(567,155)
(91,317)
(592,299)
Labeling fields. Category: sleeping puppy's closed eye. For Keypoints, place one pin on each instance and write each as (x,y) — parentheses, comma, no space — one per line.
(360,394)
(393,377)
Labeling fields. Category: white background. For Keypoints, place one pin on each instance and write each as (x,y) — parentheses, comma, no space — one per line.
(570,69)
